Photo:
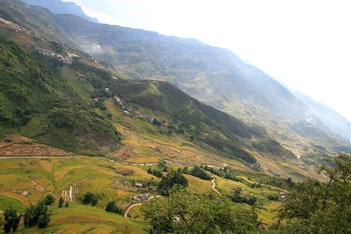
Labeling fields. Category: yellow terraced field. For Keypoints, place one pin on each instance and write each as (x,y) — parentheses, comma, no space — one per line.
(199,185)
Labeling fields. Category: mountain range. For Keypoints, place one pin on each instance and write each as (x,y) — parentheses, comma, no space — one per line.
(212,75)
(227,82)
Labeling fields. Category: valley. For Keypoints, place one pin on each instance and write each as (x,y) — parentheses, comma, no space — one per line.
(103,118)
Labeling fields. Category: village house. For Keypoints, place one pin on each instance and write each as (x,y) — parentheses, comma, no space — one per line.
(142,197)
(282,195)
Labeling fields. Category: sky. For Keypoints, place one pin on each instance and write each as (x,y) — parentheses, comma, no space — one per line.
(305,44)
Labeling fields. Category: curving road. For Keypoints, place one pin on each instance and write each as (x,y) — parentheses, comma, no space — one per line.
(130,208)
(214,185)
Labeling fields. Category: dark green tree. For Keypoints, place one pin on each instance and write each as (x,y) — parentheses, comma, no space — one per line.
(198,172)
(44,217)
(11,220)
(171,179)
(60,203)
(49,199)
(321,207)
(111,207)
(37,215)
(94,201)
(241,198)
(89,198)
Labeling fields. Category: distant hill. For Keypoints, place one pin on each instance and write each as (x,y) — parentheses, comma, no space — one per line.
(60,7)
(333,120)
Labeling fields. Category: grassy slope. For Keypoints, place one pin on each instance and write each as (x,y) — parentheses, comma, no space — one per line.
(38,101)
(37,177)
(102,177)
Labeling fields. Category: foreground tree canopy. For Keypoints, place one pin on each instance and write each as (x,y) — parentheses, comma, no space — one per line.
(183,212)
(317,207)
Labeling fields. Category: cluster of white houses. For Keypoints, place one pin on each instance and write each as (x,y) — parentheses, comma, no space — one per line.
(67,58)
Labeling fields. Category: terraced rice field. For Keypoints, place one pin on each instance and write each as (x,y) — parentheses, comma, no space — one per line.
(199,185)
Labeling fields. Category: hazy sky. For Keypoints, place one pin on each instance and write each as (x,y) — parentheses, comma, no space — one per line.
(304,43)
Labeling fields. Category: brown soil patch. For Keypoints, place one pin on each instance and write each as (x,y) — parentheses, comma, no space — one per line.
(16,149)
(37,186)
(22,146)
(126,153)
(14,138)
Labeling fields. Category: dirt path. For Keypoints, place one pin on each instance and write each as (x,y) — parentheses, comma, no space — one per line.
(130,208)
(297,153)
(137,204)
(214,185)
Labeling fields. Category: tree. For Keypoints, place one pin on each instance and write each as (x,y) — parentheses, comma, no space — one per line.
(37,215)
(60,203)
(163,165)
(321,207)
(49,199)
(94,201)
(111,207)
(11,220)
(171,179)
(241,198)
(89,198)
(198,172)
(184,212)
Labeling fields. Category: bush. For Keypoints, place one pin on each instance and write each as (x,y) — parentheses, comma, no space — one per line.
(49,199)
(111,207)
(89,198)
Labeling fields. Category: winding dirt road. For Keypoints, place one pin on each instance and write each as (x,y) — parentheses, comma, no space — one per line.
(130,208)
(214,185)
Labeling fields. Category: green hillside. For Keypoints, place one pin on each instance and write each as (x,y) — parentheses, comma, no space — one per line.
(74,127)
(38,102)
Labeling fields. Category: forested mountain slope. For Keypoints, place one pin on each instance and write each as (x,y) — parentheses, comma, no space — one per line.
(36,100)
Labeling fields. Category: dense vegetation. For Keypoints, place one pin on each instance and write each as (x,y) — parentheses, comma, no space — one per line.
(184,212)
(37,100)
(318,207)
(34,215)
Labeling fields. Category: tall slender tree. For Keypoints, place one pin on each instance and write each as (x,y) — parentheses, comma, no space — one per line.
(11,220)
